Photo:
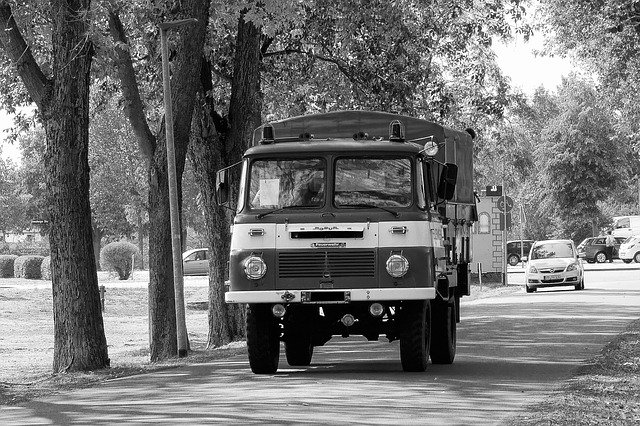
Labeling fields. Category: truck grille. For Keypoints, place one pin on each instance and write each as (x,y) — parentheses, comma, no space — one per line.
(318,263)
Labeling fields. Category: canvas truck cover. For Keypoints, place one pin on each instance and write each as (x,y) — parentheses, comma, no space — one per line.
(455,146)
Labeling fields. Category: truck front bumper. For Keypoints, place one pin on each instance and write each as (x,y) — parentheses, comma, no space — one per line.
(330,296)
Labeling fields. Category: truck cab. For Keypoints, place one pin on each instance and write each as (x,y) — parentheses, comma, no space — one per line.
(351,223)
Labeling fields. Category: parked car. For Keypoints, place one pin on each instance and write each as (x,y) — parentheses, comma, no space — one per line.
(515,248)
(195,262)
(595,249)
(630,249)
(553,263)
(582,247)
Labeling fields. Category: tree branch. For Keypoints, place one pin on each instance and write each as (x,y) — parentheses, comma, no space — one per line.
(206,81)
(133,107)
(342,67)
(14,45)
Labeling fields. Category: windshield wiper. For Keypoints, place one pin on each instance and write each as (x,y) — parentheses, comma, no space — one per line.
(261,215)
(371,206)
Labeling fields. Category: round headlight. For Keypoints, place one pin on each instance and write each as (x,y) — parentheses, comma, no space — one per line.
(397,265)
(254,267)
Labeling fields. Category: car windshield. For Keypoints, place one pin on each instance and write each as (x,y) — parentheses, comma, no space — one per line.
(284,183)
(381,182)
(551,250)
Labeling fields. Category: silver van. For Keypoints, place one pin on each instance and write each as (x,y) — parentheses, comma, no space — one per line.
(626,226)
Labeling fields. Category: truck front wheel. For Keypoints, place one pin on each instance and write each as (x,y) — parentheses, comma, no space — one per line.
(415,335)
(443,332)
(263,339)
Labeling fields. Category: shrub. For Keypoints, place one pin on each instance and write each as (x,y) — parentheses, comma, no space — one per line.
(116,257)
(27,267)
(45,268)
(6,265)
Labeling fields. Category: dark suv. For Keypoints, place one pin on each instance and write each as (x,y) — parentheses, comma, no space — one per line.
(595,249)
(513,250)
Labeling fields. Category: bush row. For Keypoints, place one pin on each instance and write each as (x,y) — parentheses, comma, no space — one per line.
(116,256)
(24,248)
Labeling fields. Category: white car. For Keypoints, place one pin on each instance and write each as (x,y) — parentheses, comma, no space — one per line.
(195,262)
(553,263)
(630,249)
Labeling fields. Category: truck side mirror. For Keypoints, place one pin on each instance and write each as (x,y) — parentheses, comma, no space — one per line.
(447,184)
(222,187)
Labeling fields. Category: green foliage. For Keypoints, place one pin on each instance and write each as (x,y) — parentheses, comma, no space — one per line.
(31,173)
(117,256)
(563,158)
(118,174)
(605,37)
(27,267)
(432,61)
(7,262)
(45,268)
(13,199)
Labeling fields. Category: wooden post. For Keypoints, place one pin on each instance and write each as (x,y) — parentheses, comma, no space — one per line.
(102,292)
(176,246)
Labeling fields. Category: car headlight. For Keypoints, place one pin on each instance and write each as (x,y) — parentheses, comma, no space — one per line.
(572,267)
(397,265)
(533,269)
(254,267)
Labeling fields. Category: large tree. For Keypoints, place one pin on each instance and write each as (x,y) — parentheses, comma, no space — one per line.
(61,93)
(605,38)
(186,48)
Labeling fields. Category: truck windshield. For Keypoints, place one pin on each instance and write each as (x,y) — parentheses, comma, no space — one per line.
(275,184)
(373,181)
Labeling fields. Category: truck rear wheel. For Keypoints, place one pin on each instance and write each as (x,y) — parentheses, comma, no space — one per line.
(263,339)
(443,332)
(415,336)
(299,351)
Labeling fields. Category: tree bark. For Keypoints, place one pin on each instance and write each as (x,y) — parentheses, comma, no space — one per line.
(79,340)
(218,143)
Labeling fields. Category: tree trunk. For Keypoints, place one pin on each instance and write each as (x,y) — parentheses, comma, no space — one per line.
(213,148)
(97,239)
(162,313)
(79,340)
(184,84)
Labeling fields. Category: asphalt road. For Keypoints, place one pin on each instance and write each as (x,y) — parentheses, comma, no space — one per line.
(512,350)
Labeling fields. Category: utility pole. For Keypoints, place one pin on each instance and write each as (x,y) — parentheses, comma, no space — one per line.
(176,246)
(504,230)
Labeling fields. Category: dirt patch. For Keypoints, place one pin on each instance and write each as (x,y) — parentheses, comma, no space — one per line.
(605,391)
(26,339)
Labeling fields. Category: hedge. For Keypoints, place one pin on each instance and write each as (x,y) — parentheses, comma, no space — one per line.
(45,268)
(6,265)
(117,257)
(27,267)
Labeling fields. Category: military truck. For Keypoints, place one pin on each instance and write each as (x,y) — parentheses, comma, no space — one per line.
(351,223)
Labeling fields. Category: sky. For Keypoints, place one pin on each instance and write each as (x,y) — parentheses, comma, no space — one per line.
(9,151)
(516,59)
(528,71)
